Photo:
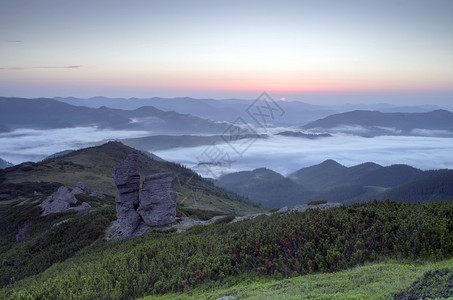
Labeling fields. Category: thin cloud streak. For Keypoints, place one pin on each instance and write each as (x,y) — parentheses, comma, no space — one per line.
(47,67)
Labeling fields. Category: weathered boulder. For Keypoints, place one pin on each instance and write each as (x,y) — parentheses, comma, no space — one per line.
(59,201)
(127,180)
(158,200)
(156,206)
(81,188)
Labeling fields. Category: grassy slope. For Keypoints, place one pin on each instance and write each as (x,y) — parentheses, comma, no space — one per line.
(371,281)
(94,166)
(162,262)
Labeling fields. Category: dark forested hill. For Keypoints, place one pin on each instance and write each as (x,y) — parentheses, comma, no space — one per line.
(330,174)
(266,187)
(334,182)
(439,186)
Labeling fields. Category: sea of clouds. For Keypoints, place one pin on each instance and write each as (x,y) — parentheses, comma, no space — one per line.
(288,154)
(279,153)
(34,145)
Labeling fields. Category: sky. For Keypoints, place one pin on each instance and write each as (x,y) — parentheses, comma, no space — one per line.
(397,51)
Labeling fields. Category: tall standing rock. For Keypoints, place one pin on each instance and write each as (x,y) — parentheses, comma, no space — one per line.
(127,180)
(158,200)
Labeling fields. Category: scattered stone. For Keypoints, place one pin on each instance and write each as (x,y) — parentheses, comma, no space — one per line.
(59,223)
(158,200)
(85,205)
(81,188)
(97,194)
(22,203)
(59,201)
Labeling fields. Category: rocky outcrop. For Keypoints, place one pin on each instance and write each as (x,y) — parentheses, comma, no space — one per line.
(60,201)
(158,200)
(81,188)
(156,206)
(127,180)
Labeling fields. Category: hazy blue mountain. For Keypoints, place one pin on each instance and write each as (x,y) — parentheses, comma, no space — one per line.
(372,123)
(296,112)
(5,164)
(48,113)
(265,186)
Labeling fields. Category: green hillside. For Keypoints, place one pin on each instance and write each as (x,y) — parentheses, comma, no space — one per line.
(30,243)
(268,247)
(384,280)
(94,166)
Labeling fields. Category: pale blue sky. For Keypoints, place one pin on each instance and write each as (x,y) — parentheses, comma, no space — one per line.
(223,49)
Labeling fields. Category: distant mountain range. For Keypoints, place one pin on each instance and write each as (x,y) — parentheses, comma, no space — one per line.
(334,182)
(373,123)
(296,112)
(49,113)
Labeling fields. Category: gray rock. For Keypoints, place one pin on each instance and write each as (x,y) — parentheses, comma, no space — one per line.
(81,188)
(158,200)
(127,180)
(59,201)
(156,206)
(85,205)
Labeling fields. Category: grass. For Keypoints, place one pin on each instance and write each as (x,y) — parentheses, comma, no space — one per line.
(372,281)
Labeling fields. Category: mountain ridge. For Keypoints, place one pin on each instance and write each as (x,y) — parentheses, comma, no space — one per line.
(33,113)
(372,123)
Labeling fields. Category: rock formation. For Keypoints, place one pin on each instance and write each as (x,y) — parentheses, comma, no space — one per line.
(156,206)
(127,180)
(60,201)
(81,188)
(158,200)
